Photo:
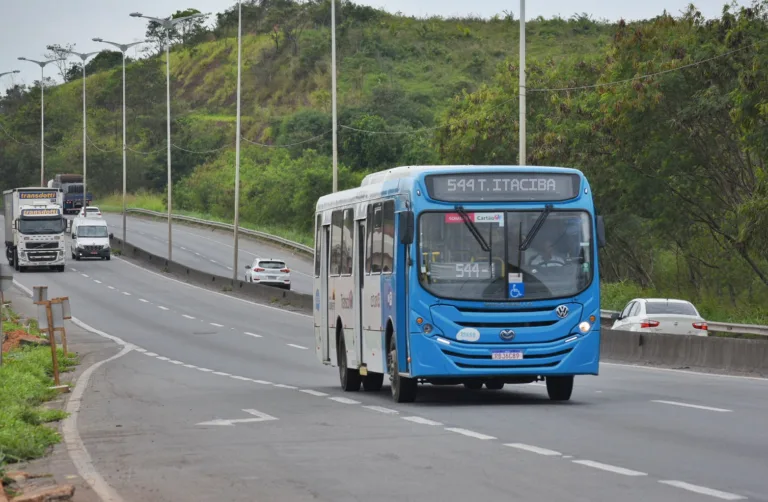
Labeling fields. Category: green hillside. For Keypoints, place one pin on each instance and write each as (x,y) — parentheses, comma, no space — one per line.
(676,159)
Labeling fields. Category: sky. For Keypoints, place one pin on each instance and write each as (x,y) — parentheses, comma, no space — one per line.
(27,26)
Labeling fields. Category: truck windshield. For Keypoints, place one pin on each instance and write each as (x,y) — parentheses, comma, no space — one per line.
(33,226)
(557,262)
(91,231)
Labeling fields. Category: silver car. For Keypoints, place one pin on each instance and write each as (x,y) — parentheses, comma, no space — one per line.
(270,272)
(660,315)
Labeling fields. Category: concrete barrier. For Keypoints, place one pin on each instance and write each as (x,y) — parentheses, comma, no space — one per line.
(288,300)
(686,351)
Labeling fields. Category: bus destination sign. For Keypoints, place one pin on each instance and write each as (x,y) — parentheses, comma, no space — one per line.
(503,187)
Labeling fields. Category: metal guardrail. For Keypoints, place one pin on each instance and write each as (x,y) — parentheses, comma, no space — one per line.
(301,248)
(719,327)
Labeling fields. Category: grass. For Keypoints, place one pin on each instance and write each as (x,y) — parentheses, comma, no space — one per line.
(153,202)
(25,380)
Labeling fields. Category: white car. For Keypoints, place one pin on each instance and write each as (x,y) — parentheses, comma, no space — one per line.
(91,211)
(270,272)
(658,315)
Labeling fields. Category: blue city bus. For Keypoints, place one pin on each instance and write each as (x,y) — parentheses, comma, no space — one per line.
(459,275)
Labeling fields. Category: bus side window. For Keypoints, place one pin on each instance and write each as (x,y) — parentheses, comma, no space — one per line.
(388,237)
(376,240)
(348,245)
(318,243)
(336,224)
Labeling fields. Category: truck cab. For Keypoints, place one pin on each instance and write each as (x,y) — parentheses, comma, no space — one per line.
(90,239)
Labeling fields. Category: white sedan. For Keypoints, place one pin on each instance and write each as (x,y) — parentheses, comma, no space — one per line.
(270,272)
(89,211)
(655,315)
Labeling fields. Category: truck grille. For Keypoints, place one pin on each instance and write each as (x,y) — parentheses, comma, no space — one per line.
(42,245)
(42,255)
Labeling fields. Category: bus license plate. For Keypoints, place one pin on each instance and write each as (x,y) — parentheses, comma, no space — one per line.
(506,355)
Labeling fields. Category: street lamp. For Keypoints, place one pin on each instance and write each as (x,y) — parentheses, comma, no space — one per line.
(42,65)
(168,24)
(123,48)
(237,136)
(83,56)
(333,97)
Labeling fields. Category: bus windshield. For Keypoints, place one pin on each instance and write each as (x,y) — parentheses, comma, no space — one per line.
(31,226)
(556,263)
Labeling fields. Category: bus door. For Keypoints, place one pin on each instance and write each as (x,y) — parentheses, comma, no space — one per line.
(324,286)
(360,288)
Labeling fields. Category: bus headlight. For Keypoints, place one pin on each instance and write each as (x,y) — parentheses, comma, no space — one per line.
(585,327)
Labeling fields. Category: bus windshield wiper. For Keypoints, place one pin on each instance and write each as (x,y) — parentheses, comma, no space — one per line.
(473,229)
(536,227)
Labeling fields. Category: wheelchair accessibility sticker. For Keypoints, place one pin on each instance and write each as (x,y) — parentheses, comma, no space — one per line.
(516,286)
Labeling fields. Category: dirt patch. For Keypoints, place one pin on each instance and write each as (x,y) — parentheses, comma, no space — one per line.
(16,338)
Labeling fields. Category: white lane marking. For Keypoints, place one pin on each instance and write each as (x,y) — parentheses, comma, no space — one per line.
(139,349)
(344,400)
(297,346)
(206,370)
(183,248)
(260,417)
(283,386)
(221,373)
(84,275)
(74,444)
(73,269)
(313,392)
(198,254)
(174,361)
(214,261)
(150,354)
(126,293)
(187,316)
(534,449)
(143,300)
(421,420)
(699,374)
(97,281)
(162,308)
(686,405)
(469,433)
(190,366)
(703,490)
(192,286)
(253,334)
(229,268)
(382,409)
(111,287)
(262,382)
(240,378)
(217,325)
(610,468)
(163,358)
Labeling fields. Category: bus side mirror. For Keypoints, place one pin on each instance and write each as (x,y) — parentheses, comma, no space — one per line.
(406,227)
(601,241)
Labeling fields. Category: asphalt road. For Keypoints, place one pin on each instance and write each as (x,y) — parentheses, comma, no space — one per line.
(630,434)
(209,250)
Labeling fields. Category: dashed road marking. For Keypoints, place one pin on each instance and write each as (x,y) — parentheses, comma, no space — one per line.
(97,281)
(610,468)
(703,490)
(206,370)
(163,358)
(534,449)
(253,334)
(221,373)
(344,400)
(382,409)
(217,325)
(139,349)
(696,406)
(187,316)
(150,354)
(297,346)
(143,300)
(469,433)
(111,287)
(84,275)
(421,420)
(162,308)
(284,386)
(126,293)
(314,392)
(262,382)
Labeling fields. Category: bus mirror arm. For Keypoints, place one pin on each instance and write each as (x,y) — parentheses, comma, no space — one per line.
(406,225)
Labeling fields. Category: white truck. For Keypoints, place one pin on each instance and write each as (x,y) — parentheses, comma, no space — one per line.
(34,228)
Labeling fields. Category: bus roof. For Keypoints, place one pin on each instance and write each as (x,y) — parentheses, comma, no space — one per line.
(373,184)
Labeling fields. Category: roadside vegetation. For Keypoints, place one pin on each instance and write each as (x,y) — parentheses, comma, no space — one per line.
(26,377)
(667,117)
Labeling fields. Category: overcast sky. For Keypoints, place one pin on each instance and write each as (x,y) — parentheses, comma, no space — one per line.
(27,26)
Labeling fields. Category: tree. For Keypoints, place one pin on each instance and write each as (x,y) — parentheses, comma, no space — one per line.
(186,32)
(61,53)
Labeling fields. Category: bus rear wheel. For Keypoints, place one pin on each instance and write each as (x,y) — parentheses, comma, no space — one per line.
(494,385)
(559,388)
(350,378)
(403,389)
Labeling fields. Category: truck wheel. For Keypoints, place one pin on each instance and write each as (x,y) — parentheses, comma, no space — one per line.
(109,257)
(403,389)
(560,388)
(350,378)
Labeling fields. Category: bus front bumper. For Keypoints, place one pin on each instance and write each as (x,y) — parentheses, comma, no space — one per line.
(436,357)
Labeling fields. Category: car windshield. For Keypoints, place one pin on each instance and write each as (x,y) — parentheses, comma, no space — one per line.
(677,308)
(556,263)
(272,265)
(33,226)
(91,231)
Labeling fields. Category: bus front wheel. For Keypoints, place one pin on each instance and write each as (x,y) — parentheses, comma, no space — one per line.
(559,388)
(403,389)
(350,378)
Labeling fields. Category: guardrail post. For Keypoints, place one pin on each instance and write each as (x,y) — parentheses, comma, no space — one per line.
(45,322)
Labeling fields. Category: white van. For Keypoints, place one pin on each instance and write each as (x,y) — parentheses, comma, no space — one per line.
(90,239)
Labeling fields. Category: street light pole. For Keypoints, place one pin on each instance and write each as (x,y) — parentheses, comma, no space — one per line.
(237,136)
(522,154)
(333,97)
(83,57)
(42,65)
(168,24)
(123,48)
